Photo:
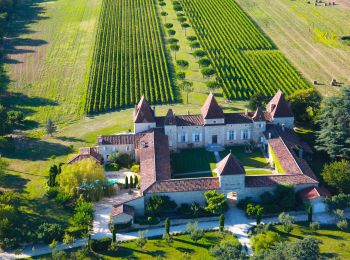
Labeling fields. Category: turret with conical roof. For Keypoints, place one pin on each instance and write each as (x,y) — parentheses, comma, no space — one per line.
(144,118)
(211,111)
(279,112)
(229,166)
(278,106)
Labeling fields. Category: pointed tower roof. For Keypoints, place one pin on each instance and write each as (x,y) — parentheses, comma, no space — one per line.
(278,106)
(143,112)
(258,115)
(170,118)
(230,166)
(211,108)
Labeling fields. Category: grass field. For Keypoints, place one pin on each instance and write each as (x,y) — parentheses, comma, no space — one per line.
(244,58)
(193,160)
(48,49)
(335,243)
(309,36)
(129,58)
(181,247)
(255,159)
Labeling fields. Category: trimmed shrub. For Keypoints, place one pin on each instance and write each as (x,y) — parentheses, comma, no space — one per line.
(99,245)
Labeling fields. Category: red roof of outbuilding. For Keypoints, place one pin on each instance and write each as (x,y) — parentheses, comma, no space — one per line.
(87,153)
(123,208)
(313,193)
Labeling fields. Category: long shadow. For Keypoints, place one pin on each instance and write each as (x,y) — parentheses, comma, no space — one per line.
(26,13)
(34,149)
(192,243)
(69,139)
(11,181)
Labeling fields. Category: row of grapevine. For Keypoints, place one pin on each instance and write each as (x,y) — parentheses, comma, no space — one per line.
(244,58)
(129,58)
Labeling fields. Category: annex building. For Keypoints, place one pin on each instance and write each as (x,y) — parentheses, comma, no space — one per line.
(155,137)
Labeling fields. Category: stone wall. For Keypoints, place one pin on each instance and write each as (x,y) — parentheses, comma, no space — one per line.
(106,150)
(139,205)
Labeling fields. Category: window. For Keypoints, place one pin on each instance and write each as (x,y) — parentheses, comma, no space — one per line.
(245,135)
(261,125)
(127,148)
(170,143)
(183,138)
(231,135)
(196,138)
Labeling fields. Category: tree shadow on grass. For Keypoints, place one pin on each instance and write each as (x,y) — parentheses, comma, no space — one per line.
(128,253)
(196,244)
(185,250)
(11,181)
(34,149)
(69,139)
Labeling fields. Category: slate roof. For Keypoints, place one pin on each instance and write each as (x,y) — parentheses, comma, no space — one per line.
(237,118)
(278,106)
(154,159)
(123,208)
(143,112)
(314,193)
(211,108)
(288,136)
(87,153)
(230,166)
(178,185)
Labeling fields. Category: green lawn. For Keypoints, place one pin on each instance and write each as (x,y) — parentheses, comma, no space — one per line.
(182,246)
(192,160)
(258,172)
(335,243)
(255,159)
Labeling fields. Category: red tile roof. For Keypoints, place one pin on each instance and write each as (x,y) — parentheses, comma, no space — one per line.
(87,153)
(288,136)
(313,193)
(211,108)
(178,185)
(154,159)
(143,112)
(272,180)
(230,166)
(123,208)
(278,106)
(119,139)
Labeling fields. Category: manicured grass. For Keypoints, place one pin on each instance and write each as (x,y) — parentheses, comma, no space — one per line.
(335,243)
(258,172)
(192,160)
(255,159)
(181,247)
(309,36)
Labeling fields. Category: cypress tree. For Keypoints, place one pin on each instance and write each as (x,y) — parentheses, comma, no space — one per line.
(126,185)
(131,181)
(167,226)
(221,222)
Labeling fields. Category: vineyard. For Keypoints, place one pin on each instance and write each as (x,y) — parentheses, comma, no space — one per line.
(129,57)
(245,60)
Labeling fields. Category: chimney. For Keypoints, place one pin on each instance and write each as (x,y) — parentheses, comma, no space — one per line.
(283,127)
(246,111)
(269,135)
(301,153)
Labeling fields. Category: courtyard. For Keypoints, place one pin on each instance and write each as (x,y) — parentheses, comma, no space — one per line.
(198,162)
